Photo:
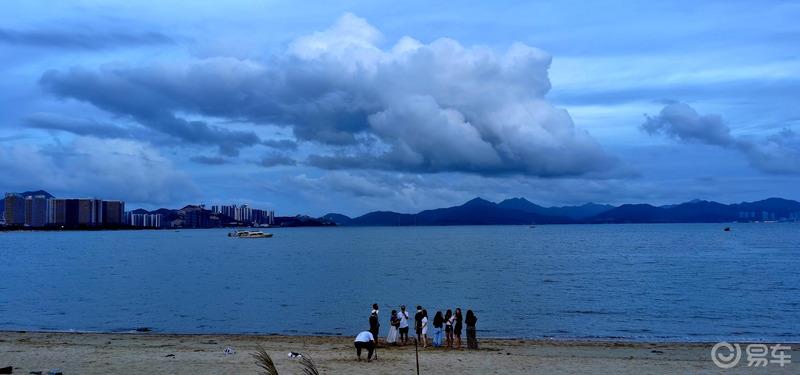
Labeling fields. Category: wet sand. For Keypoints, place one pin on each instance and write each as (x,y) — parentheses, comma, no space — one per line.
(145,353)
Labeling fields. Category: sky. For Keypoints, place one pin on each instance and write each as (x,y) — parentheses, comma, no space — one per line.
(356,106)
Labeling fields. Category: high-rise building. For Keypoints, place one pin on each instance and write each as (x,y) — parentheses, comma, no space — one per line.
(15,209)
(146,220)
(57,212)
(71,213)
(113,213)
(85,212)
(36,211)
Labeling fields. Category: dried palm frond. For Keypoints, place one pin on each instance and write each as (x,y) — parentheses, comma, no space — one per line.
(264,361)
(308,365)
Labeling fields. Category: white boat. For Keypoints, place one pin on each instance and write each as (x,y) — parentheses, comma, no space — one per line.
(249,234)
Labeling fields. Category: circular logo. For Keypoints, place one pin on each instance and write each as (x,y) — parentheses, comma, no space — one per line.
(726,355)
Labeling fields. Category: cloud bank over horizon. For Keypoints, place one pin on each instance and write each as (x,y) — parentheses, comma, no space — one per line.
(414,107)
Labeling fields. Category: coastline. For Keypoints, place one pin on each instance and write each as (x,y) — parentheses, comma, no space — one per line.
(161,353)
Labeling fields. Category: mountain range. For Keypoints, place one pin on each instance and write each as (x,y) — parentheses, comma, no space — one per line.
(520,211)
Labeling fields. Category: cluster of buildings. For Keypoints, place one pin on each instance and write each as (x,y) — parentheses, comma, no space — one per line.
(146,220)
(199,217)
(245,214)
(33,210)
(767,216)
(38,211)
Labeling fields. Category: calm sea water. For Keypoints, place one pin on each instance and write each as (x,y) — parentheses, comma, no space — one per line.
(682,282)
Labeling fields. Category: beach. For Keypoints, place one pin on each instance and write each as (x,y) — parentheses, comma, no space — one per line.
(147,353)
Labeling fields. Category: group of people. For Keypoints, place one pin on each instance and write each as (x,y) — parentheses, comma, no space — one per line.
(450,323)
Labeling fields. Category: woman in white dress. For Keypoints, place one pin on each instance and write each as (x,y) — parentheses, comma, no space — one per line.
(394,324)
(424,328)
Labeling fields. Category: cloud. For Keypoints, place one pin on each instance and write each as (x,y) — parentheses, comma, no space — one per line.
(349,184)
(209,160)
(107,168)
(414,107)
(88,40)
(680,121)
(275,160)
(120,93)
(778,153)
(280,144)
(88,127)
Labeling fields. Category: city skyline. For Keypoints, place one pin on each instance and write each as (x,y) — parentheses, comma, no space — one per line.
(40,209)
(348,108)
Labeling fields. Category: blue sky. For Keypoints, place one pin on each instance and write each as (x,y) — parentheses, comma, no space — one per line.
(361,105)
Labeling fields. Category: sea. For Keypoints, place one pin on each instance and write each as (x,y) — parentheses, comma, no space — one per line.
(625,282)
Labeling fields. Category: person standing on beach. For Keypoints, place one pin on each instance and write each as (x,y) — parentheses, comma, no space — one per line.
(424,328)
(403,324)
(448,327)
(374,327)
(374,324)
(418,323)
(394,324)
(457,328)
(365,340)
(438,322)
(470,321)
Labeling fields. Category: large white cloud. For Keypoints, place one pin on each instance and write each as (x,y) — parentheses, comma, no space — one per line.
(412,106)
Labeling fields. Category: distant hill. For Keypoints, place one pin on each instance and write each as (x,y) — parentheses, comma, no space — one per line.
(383,218)
(482,212)
(25,194)
(571,212)
(516,211)
(339,219)
(699,211)
(37,192)
(475,212)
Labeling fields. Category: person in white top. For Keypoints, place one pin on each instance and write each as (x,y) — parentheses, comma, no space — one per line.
(424,328)
(403,315)
(365,340)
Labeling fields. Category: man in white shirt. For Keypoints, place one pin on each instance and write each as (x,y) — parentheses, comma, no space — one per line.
(365,340)
(403,315)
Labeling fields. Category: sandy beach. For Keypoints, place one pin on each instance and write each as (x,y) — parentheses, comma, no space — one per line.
(91,353)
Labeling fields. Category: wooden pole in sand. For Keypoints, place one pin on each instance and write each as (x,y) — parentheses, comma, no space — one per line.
(416,353)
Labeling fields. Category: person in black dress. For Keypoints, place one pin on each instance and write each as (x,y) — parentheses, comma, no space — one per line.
(457,328)
(470,321)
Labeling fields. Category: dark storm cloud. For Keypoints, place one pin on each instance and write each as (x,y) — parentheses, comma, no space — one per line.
(88,127)
(413,107)
(87,40)
(778,153)
(120,93)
